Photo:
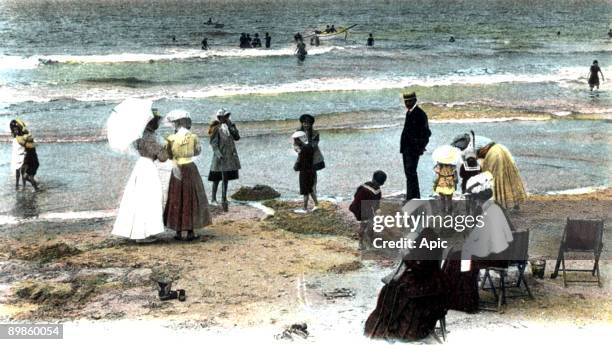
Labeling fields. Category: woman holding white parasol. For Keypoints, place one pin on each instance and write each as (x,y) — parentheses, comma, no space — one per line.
(132,126)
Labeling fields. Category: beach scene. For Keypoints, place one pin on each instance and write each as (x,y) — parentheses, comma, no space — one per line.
(517,72)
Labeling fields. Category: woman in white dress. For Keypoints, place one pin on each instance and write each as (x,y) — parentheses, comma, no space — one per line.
(140,213)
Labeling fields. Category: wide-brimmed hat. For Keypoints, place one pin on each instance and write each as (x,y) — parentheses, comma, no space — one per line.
(177,114)
(446,154)
(307,118)
(222,112)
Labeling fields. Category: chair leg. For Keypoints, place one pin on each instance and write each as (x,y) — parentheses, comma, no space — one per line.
(555,274)
(443,327)
(563,270)
(502,277)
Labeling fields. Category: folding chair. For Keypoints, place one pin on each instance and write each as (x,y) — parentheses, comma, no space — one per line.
(516,255)
(580,236)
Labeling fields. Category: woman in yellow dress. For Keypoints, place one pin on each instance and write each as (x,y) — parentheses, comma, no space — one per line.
(187,205)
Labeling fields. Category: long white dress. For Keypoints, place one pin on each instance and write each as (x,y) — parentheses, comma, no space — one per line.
(140,213)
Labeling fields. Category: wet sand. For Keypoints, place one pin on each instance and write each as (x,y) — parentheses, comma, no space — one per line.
(248,272)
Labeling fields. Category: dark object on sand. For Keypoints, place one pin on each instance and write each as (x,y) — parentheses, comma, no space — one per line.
(256,193)
(164,288)
(299,329)
(538,267)
(171,295)
(339,293)
(181,295)
(580,236)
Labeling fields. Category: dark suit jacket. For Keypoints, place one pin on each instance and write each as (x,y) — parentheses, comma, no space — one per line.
(416,133)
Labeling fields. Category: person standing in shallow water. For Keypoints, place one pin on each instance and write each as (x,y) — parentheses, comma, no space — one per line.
(305,166)
(414,140)
(370,42)
(187,206)
(24,161)
(268,40)
(307,126)
(225,162)
(300,50)
(594,73)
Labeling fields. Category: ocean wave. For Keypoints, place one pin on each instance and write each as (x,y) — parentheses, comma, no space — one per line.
(8,62)
(578,191)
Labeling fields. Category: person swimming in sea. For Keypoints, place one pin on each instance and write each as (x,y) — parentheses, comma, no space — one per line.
(451,39)
(205,44)
(370,42)
(300,50)
(297,37)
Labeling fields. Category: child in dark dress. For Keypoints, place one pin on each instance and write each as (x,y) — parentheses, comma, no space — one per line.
(306,168)
(365,204)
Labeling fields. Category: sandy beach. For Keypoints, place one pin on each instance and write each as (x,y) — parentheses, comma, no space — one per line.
(251,272)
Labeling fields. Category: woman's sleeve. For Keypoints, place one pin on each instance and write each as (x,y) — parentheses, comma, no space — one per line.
(234,132)
(214,143)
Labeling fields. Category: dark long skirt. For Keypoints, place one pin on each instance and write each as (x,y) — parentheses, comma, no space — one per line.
(308,178)
(408,309)
(30,162)
(187,205)
(463,286)
(218,175)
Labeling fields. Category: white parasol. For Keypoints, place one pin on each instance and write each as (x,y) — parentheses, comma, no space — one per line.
(127,123)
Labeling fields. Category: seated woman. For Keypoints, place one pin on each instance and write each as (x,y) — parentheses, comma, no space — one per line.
(413,300)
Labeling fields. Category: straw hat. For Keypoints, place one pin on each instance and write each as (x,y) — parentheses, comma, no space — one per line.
(446,154)
(222,112)
(299,135)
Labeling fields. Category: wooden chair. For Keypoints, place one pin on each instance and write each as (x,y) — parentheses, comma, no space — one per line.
(580,236)
(516,255)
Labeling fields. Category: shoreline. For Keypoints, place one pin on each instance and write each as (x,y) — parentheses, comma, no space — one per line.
(361,121)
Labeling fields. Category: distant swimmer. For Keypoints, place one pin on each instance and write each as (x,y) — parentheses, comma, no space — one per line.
(327,29)
(249,40)
(268,40)
(300,50)
(451,39)
(256,41)
(297,37)
(332,29)
(209,22)
(370,42)
(205,44)
(558,33)
(174,39)
(594,73)
(314,41)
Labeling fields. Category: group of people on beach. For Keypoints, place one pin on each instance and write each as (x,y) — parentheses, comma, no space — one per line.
(140,213)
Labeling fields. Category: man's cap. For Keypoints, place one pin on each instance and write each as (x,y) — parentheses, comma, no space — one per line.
(408,95)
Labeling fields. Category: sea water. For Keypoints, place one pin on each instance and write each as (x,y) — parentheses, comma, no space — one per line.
(507,55)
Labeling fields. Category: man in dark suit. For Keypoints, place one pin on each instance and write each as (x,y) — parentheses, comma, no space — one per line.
(415,137)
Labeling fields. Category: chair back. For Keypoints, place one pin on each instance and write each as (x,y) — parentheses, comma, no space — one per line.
(583,234)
